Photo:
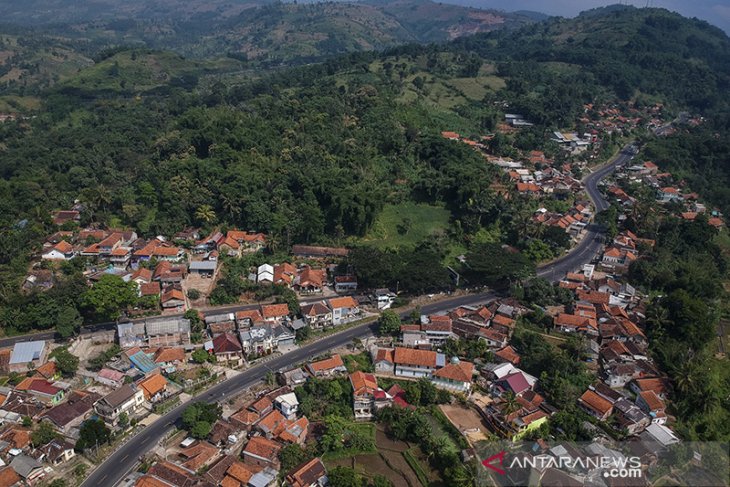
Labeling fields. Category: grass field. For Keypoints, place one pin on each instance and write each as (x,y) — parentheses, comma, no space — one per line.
(406,224)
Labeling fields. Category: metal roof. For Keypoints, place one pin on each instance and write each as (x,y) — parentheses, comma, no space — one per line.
(25,352)
(203,265)
(167,326)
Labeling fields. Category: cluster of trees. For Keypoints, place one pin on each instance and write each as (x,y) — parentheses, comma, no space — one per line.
(198,418)
(686,270)
(322,398)
(92,434)
(341,434)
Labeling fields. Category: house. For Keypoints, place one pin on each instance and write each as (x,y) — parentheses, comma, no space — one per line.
(284,274)
(150,289)
(169,356)
(173,299)
(169,474)
(251,317)
(43,390)
(455,376)
(27,355)
(227,348)
(77,408)
(153,387)
(29,469)
(247,241)
(257,340)
(651,404)
(659,386)
(126,399)
(287,404)
(221,323)
(630,417)
(514,420)
(595,405)
(507,354)
(199,455)
(265,274)
(310,281)
(327,367)
(669,194)
(308,474)
(307,251)
(384,298)
(383,359)
(61,251)
(64,216)
(204,268)
(57,451)
(658,437)
(367,397)
(417,363)
(344,309)
(571,323)
(293,377)
(262,452)
(317,315)
(275,313)
(284,335)
(345,284)
(516,382)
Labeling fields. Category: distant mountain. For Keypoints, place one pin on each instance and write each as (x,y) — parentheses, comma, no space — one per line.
(268,32)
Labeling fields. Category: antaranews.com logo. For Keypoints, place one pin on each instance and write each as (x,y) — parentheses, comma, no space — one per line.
(604,462)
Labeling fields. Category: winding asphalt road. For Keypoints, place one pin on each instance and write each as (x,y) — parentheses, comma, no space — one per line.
(122,461)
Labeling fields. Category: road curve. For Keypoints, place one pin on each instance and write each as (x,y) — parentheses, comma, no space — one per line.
(122,461)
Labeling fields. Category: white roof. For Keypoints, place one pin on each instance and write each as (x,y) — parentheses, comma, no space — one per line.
(662,434)
(289,399)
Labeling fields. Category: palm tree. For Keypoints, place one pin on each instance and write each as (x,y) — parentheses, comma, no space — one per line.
(230,205)
(510,403)
(205,213)
(657,317)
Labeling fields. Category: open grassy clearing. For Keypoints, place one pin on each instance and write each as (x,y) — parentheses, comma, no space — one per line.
(406,224)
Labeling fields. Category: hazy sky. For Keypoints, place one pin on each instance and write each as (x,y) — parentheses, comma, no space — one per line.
(716,12)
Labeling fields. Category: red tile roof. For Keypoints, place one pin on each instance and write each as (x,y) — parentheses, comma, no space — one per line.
(226,343)
(327,364)
(343,302)
(262,447)
(458,372)
(409,356)
(275,310)
(595,402)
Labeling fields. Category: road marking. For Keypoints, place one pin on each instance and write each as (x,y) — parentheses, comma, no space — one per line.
(104,477)
(125,457)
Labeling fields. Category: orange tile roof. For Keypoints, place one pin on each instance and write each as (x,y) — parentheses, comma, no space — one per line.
(252,314)
(171,294)
(262,404)
(409,356)
(384,354)
(658,385)
(152,385)
(199,455)
(121,251)
(363,383)
(503,320)
(343,302)
(148,249)
(150,481)
(262,447)
(509,354)
(47,370)
(595,297)
(240,472)
(150,288)
(275,310)
(170,355)
(63,247)
(459,372)
(592,400)
(294,432)
(327,364)
(652,400)
(269,422)
(166,251)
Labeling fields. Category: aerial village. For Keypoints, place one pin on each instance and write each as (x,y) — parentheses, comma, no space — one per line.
(63,407)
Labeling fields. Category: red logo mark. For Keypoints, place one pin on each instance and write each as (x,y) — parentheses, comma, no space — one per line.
(488,462)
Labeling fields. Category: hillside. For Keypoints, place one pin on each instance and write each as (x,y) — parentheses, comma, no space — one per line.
(633,52)
(269,33)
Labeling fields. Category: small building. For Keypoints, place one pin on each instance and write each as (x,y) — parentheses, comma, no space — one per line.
(262,452)
(317,315)
(288,405)
(227,348)
(327,367)
(308,474)
(345,284)
(595,405)
(27,355)
(61,251)
(126,399)
(455,376)
(205,268)
(417,363)
(154,387)
(383,359)
(344,309)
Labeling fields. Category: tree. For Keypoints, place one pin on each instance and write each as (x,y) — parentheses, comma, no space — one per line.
(123,420)
(93,432)
(43,434)
(68,322)
(193,294)
(80,470)
(109,296)
(290,456)
(344,477)
(205,214)
(201,430)
(201,356)
(58,483)
(389,323)
(494,265)
(302,334)
(27,421)
(66,362)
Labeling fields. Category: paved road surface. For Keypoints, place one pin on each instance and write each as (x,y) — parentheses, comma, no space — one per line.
(123,460)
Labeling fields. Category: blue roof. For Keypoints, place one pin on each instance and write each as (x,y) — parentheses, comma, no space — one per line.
(25,352)
(143,362)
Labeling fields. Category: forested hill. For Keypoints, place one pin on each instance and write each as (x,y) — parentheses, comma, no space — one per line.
(633,52)
(271,33)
